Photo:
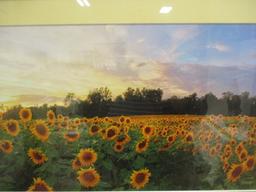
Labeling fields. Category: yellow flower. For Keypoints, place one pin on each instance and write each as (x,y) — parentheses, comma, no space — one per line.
(37,156)
(118,147)
(142,146)
(171,138)
(12,127)
(1,115)
(71,135)
(93,130)
(122,119)
(60,117)
(51,116)
(76,164)
(40,130)
(235,172)
(40,185)
(87,157)
(6,146)
(189,137)
(147,131)
(140,178)
(88,177)
(249,163)
(111,133)
(25,114)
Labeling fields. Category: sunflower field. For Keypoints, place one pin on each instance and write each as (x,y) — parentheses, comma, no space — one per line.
(165,152)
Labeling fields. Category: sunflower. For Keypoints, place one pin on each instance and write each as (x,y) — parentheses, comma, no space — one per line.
(25,114)
(171,138)
(6,146)
(147,131)
(111,133)
(1,115)
(140,178)
(71,135)
(40,130)
(240,147)
(88,177)
(64,124)
(60,117)
(12,127)
(189,137)
(76,164)
(87,157)
(118,147)
(93,130)
(77,122)
(249,163)
(243,155)
(39,185)
(226,166)
(37,156)
(51,116)
(122,119)
(103,133)
(142,146)
(127,120)
(235,172)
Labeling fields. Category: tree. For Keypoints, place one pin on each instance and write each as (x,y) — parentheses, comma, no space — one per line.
(99,101)
(70,97)
(100,95)
(152,95)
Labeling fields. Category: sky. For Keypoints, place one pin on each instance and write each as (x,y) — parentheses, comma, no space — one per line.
(41,64)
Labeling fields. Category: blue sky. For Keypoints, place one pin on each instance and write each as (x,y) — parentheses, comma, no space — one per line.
(41,64)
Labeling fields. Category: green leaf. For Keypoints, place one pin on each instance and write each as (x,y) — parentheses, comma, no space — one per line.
(139,163)
(107,164)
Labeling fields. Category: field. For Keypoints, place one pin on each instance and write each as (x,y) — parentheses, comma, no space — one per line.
(165,152)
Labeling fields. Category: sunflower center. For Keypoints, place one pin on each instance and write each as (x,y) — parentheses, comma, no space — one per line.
(140,177)
(170,139)
(37,156)
(142,144)
(25,114)
(12,127)
(119,147)
(250,163)
(77,162)
(243,156)
(111,133)
(95,129)
(87,156)
(41,129)
(89,177)
(189,138)
(5,145)
(147,130)
(40,187)
(237,171)
(51,116)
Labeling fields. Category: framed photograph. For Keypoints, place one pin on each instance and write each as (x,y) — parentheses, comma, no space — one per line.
(126,105)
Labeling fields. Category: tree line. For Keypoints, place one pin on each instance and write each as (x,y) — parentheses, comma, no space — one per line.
(100,102)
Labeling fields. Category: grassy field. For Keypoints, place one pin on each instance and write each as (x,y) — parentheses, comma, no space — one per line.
(161,152)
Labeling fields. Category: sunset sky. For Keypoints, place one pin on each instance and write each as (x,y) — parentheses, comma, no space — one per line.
(41,64)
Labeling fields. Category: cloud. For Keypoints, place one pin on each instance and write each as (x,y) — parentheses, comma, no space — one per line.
(219,47)
(51,61)
(209,78)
